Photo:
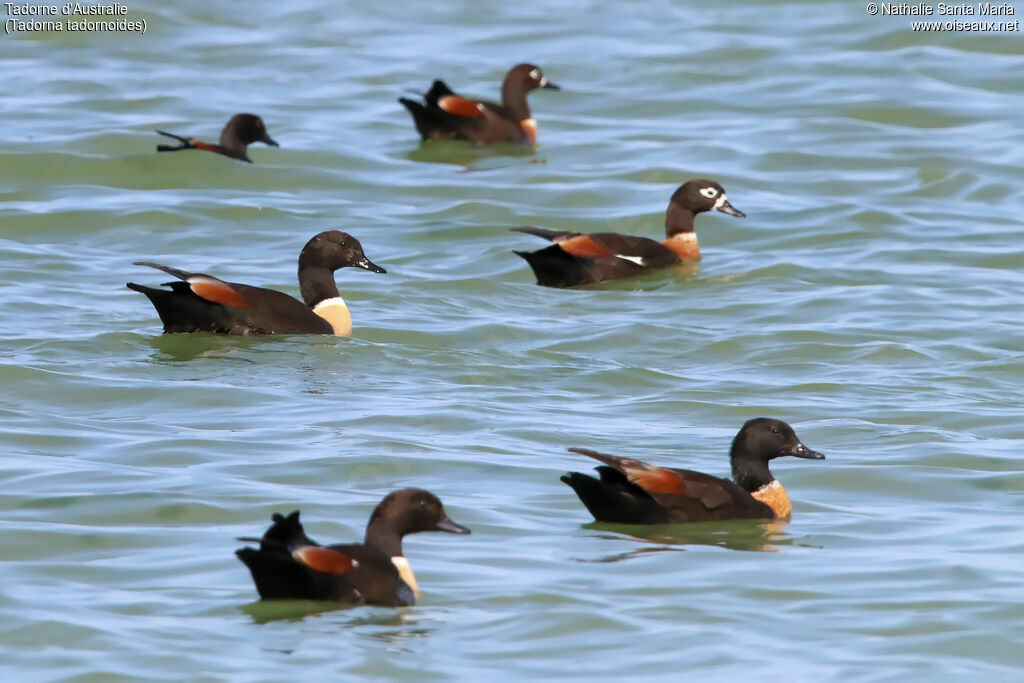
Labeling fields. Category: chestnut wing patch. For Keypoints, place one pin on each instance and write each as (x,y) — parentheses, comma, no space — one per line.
(639,250)
(460,106)
(653,479)
(324,560)
(648,477)
(216,291)
(584,246)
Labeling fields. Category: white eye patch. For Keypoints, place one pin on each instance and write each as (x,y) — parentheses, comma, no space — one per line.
(709,192)
(535,74)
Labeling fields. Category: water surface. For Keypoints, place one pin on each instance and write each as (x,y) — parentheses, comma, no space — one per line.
(871,298)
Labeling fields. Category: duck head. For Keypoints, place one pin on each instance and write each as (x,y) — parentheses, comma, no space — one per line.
(334,249)
(528,77)
(760,441)
(246,129)
(410,511)
(700,195)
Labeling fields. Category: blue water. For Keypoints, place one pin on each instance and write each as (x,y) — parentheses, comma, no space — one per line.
(871,298)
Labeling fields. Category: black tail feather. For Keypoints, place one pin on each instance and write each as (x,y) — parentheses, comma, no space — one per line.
(185,143)
(428,120)
(286,531)
(612,500)
(180,310)
(279,577)
(550,235)
(555,268)
(596,455)
(176,272)
(438,89)
(141,288)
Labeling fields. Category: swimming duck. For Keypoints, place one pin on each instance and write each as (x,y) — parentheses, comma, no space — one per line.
(443,115)
(632,492)
(291,566)
(203,303)
(241,131)
(576,258)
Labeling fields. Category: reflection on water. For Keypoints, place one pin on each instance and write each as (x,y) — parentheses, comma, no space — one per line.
(659,280)
(749,535)
(180,348)
(266,611)
(388,625)
(473,158)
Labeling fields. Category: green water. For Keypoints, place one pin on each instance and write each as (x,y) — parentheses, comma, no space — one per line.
(871,298)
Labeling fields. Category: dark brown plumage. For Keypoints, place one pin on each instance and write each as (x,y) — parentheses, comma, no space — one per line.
(240,132)
(291,566)
(202,303)
(632,492)
(443,115)
(577,258)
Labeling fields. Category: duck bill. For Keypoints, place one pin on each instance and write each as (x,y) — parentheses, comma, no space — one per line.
(548,85)
(802,451)
(447,525)
(266,139)
(367,264)
(726,207)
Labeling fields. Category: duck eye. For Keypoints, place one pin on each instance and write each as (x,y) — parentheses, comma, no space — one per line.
(709,192)
(775,430)
(535,74)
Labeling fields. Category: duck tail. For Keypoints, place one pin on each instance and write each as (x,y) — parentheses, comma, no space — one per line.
(184,143)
